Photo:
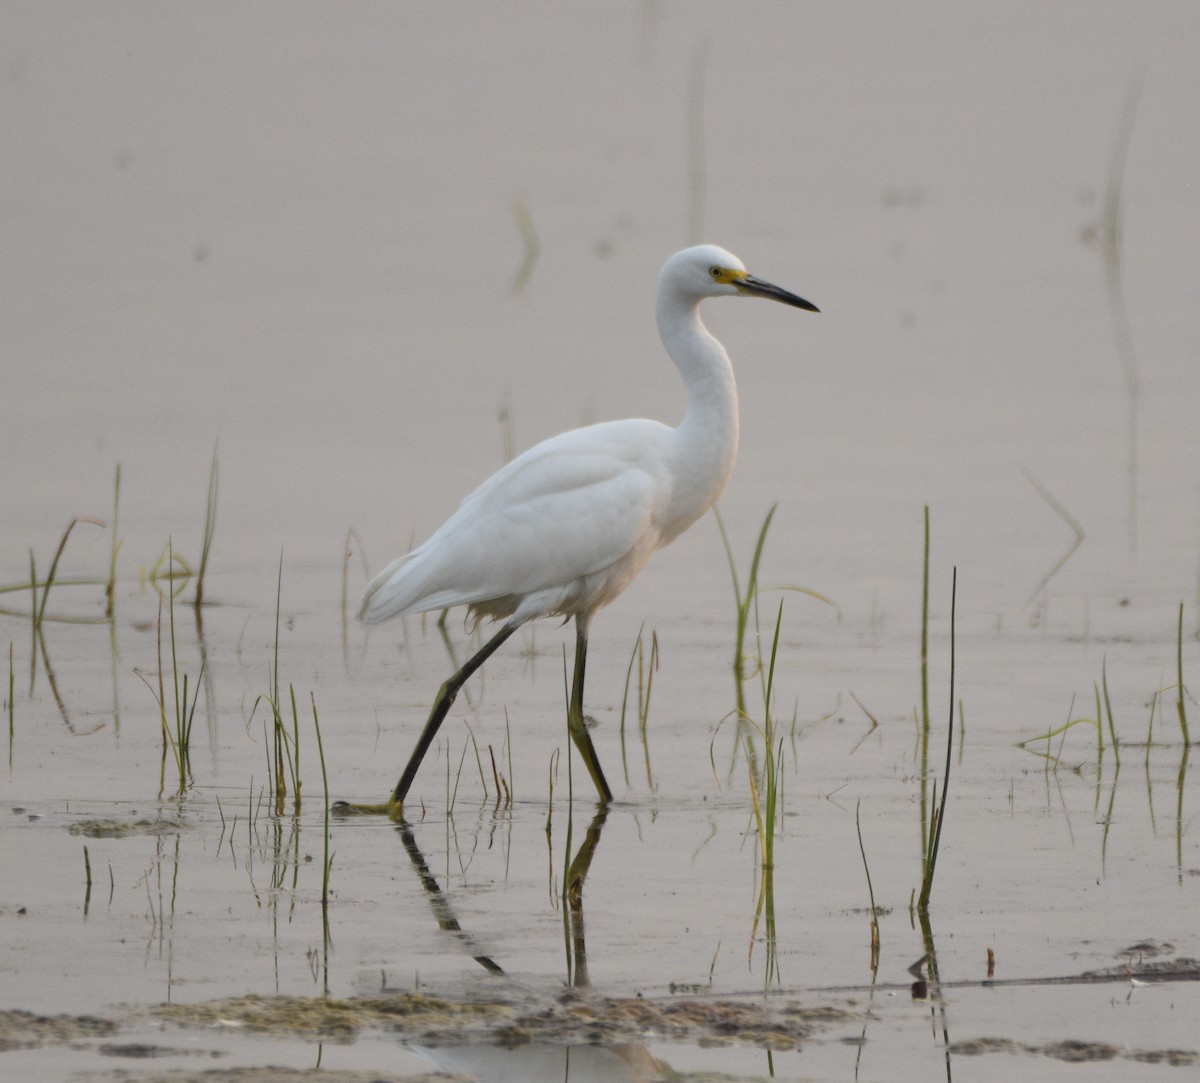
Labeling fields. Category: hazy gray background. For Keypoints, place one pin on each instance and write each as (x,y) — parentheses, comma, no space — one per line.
(291,228)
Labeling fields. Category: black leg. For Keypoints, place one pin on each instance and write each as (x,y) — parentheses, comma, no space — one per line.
(441,708)
(575,723)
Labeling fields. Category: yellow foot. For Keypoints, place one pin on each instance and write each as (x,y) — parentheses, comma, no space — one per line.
(391,809)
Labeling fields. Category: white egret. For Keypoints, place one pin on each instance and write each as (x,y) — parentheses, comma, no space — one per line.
(564,528)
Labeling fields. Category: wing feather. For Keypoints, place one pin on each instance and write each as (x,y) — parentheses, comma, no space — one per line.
(568,508)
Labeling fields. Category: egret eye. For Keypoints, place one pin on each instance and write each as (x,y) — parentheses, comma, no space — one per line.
(715,272)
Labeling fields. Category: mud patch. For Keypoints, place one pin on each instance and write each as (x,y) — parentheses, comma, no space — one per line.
(572,1019)
(121,829)
(25,1030)
(1077,1052)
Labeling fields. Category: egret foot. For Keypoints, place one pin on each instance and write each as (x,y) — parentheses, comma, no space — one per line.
(393,810)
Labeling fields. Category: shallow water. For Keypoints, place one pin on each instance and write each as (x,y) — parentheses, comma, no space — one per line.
(295,237)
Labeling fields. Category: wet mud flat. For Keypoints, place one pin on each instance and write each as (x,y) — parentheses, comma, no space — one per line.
(627,1038)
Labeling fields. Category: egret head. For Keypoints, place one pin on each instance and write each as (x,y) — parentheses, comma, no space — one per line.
(709,271)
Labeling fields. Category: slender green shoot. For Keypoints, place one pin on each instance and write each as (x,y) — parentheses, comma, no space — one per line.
(512,779)
(282,748)
(176,728)
(503,795)
(327,862)
(552,774)
(478,758)
(294,759)
(922,732)
(210,527)
(41,606)
(182,736)
(1112,729)
(11,687)
(925,634)
(1150,730)
(870,893)
(1183,722)
(766,797)
(644,691)
(773,756)
(111,586)
(1099,746)
(645,686)
(743,604)
(33,612)
(1057,731)
(633,657)
(457,778)
(939,809)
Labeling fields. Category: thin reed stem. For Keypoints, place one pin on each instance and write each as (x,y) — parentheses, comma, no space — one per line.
(111,587)
(940,813)
(875,940)
(1183,722)
(1112,731)
(328,858)
(41,608)
(210,527)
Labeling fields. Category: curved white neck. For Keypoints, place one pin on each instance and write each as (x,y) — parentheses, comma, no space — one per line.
(706,440)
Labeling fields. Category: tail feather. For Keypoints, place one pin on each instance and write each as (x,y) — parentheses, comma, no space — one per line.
(391,592)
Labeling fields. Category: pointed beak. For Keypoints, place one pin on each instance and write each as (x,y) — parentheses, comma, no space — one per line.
(756,287)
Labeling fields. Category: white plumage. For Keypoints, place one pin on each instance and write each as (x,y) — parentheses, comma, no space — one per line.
(566,526)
